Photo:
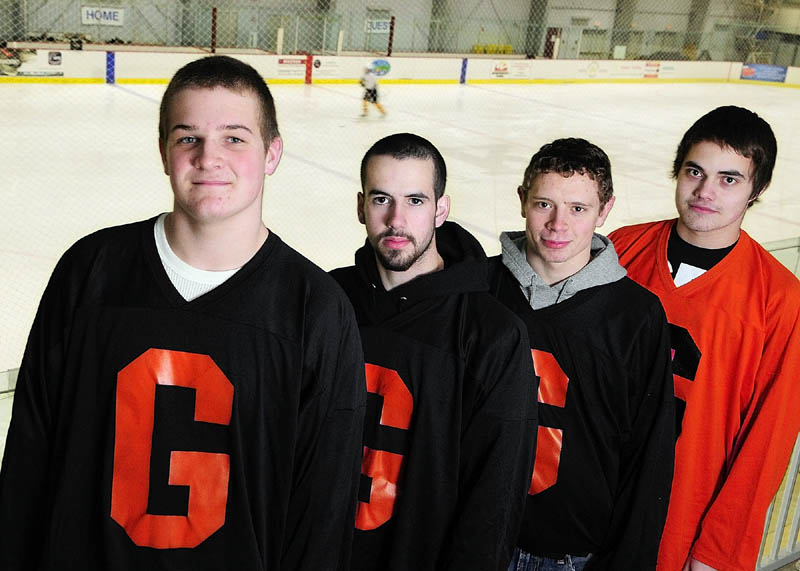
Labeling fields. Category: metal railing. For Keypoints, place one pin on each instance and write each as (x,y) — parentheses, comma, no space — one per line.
(781,544)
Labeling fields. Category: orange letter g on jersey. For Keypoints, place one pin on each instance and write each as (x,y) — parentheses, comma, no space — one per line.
(553,383)
(205,473)
(382,468)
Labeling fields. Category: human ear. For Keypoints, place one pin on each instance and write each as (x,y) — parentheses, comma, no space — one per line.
(274,153)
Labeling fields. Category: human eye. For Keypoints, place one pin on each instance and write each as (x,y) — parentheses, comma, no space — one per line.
(694,172)
(730,180)
(187,140)
(380,200)
(414,201)
(234,139)
(579,209)
(541,204)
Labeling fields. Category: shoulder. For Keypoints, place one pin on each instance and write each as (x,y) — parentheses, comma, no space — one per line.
(493,320)
(84,271)
(300,274)
(495,266)
(632,293)
(633,300)
(344,275)
(349,280)
(495,263)
(113,245)
(780,285)
(497,273)
(637,235)
(123,236)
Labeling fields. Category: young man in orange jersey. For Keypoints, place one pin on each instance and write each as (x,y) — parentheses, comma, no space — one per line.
(734,312)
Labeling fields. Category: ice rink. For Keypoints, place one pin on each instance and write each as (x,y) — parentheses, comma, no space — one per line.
(76,158)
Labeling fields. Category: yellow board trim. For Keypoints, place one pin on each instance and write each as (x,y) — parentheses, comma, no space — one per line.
(767,83)
(389,81)
(297,81)
(148,81)
(602,80)
(418,81)
(141,81)
(334,81)
(633,80)
(48,79)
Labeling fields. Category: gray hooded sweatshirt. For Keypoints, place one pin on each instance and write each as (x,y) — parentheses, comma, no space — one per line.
(603,268)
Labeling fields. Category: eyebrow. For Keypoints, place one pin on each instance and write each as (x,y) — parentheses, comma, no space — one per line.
(733,172)
(234,127)
(573,203)
(377,191)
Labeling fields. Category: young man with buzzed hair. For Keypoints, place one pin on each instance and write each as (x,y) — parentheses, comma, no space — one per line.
(600,346)
(450,426)
(734,314)
(192,392)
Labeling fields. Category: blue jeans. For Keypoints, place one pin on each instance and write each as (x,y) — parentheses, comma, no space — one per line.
(524,561)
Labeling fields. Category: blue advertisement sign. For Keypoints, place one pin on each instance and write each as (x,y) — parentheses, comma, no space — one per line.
(763,72)
(380,67)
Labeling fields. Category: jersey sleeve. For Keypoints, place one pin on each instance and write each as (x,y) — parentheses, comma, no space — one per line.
(732,529)
(25,487)
(327,456)
(497,451)
(647,456)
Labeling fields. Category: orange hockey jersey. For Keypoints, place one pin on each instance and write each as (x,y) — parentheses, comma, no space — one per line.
(735,334)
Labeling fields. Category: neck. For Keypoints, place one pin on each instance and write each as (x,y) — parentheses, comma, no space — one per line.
(213,246)
(391,279)
(712,240)
(554,272)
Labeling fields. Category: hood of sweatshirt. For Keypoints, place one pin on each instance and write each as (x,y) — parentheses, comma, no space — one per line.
(465,270)
(603,268)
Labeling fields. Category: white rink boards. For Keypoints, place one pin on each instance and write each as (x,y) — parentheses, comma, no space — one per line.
(76,158)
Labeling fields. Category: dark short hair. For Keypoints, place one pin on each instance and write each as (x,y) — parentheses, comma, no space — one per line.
(739,129)
(409,146)
(221,71)
(568,157)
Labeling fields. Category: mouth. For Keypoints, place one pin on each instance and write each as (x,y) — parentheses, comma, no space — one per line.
(210,183)
(555,244)
(696,207)
(395,242)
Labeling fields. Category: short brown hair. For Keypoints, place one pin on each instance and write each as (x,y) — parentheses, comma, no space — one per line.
(221,71)
(572,156)
(409,146)
(739,129)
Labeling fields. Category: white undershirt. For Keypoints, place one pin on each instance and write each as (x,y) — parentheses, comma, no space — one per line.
(686,273)
(190,282)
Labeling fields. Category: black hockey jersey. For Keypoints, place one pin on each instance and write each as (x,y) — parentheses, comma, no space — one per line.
(450,427)
(605,453)
(153,433)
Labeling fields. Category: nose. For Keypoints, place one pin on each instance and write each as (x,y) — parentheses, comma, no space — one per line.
(704,189)
(558,220)
(395,216)
(208,155)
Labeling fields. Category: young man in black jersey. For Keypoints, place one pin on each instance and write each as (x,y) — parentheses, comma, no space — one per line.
(734,314)
(600,345)
(192,392)
(451,420)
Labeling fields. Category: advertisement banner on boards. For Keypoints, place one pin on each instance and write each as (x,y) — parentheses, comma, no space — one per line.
(292,67)
(30,63)
(763,72)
